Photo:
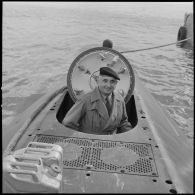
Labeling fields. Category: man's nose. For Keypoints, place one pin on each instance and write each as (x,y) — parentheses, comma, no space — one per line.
(108,84)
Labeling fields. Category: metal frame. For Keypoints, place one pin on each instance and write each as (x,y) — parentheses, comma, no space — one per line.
(131,81)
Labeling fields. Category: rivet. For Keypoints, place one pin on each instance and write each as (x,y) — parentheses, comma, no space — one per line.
(169,181)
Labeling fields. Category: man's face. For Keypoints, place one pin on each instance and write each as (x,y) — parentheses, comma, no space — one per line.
(106,84)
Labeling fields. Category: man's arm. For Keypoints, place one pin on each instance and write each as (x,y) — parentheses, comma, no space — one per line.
(124,125)
(74,115)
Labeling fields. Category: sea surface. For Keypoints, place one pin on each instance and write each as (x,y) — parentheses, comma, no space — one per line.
(40,41)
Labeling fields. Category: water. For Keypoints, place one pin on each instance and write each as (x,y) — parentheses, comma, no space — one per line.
(40,41)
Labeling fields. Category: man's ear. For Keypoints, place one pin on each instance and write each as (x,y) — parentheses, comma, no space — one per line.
(97,78)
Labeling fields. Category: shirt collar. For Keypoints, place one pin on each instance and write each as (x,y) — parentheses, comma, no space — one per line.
(104,97)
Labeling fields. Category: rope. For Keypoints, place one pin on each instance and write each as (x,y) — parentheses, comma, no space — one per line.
(156,46)
(92,75)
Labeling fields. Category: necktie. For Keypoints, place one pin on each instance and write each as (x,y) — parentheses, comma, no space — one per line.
(108,106)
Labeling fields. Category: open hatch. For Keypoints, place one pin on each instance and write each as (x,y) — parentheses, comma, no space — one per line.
(83,73)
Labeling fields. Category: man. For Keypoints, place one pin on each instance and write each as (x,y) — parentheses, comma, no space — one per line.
(101,111)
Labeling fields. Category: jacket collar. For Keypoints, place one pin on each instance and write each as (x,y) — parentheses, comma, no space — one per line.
(95,95)
(97,103)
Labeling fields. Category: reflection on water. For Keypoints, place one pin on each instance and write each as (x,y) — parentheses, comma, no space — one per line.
(39,44)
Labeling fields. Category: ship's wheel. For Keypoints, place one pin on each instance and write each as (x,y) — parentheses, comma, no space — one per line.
(84,70)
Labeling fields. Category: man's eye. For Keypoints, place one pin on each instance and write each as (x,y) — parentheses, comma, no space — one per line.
(112,82)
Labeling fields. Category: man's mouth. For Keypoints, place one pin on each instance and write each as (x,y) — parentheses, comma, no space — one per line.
(108,89)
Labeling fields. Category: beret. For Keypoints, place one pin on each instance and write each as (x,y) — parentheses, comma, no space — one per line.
(109,72)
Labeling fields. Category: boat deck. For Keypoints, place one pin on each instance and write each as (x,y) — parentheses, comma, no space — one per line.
(147,159)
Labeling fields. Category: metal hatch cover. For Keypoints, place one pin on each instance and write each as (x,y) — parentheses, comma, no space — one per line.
(83,72)
(104,155)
